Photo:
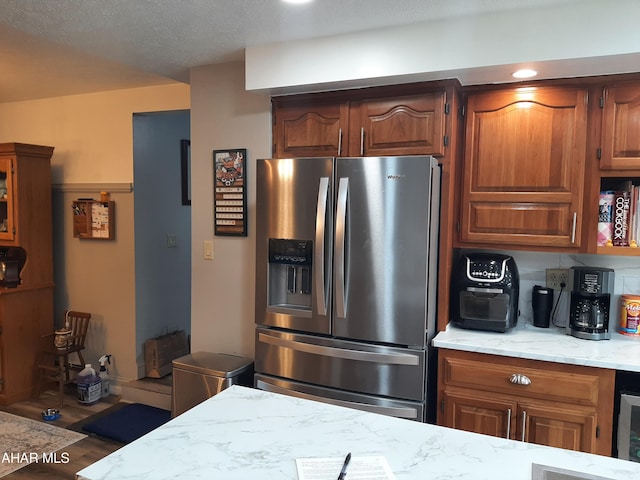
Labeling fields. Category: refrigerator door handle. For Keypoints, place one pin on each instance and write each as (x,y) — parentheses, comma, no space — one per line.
(400,412)
(319,253)
(340,258)
(344,353)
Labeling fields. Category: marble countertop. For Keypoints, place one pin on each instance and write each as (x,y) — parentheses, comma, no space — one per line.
(551,344)
(242,434)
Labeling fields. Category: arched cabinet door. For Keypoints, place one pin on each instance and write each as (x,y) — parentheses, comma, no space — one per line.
(523,168)
(339,125)
(310,129)
(620,128)
(411,125)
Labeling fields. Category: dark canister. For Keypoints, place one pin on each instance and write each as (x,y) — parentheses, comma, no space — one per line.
(542,302)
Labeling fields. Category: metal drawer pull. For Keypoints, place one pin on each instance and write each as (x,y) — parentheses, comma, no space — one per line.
(508,423)
(519,379)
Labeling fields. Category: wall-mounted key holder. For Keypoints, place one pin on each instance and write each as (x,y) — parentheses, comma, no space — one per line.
(93,219)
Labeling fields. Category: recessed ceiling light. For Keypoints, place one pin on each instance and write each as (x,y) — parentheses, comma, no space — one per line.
(525,73)
(297,1)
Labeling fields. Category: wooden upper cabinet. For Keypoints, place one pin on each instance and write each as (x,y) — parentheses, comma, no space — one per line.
(25,209)
(309,129)
(620,128)
(309,126)
(411,125)
(523,167)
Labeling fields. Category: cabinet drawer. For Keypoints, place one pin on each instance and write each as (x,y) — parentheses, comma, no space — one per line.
(549,384)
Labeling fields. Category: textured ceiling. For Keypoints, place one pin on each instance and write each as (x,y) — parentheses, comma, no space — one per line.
(62,47)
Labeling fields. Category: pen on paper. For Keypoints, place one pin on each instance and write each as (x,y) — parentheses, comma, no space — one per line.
(343,471)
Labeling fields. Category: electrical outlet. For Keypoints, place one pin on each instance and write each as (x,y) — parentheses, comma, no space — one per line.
(556,276)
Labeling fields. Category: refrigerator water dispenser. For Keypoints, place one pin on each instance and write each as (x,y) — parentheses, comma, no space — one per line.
(290,269)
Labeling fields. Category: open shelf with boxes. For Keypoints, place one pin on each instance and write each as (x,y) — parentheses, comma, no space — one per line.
(619,216)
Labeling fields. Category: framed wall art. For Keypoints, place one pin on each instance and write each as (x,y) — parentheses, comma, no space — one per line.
(230,193)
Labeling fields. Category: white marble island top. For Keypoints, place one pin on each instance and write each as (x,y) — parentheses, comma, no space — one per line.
(247,434)
(551,344)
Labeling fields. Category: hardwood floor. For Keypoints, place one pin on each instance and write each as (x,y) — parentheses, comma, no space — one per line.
(81,454)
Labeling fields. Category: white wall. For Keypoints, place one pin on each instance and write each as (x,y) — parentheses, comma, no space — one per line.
(572,39)
(224,115)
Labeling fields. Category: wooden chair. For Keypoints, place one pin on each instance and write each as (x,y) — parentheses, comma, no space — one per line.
(55,365)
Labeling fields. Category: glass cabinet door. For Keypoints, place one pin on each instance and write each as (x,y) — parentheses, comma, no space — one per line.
(629,428)
(6,199)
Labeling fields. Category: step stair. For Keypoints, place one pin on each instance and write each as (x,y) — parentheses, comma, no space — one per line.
(155,392)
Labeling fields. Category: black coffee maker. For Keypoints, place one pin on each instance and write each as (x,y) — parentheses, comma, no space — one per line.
(591,303)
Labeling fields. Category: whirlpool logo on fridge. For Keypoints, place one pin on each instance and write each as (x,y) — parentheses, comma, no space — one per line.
(396,177)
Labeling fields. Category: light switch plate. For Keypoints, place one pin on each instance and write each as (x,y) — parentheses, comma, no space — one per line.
(208,249)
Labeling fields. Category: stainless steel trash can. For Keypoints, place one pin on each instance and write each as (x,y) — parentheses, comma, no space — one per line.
(200,375)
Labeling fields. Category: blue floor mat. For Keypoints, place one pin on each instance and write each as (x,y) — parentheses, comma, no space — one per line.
(128,423)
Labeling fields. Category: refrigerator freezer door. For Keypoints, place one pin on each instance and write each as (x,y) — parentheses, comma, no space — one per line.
(368,403)
(294,203)
(346,365)
(384,243)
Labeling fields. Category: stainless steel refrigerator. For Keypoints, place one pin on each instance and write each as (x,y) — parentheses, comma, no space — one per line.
(346,275)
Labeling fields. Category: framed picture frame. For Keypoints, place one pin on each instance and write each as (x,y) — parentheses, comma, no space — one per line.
(185,171)
(230,192)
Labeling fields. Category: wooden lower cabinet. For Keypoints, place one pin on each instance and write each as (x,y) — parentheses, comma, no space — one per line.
(565,406)
(557,425)
(26,316)
(478,413)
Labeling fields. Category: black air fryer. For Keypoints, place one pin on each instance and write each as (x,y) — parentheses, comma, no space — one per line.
(484,292)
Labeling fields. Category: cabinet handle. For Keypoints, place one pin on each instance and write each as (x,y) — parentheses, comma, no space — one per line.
(573,227)
(361,140)
(524,424)
(508,423)
(339,142)
(519,379)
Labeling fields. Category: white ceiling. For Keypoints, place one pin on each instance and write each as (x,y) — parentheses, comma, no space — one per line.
(62,47)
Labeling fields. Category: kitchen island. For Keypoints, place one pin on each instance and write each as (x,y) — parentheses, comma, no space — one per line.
(243,433)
